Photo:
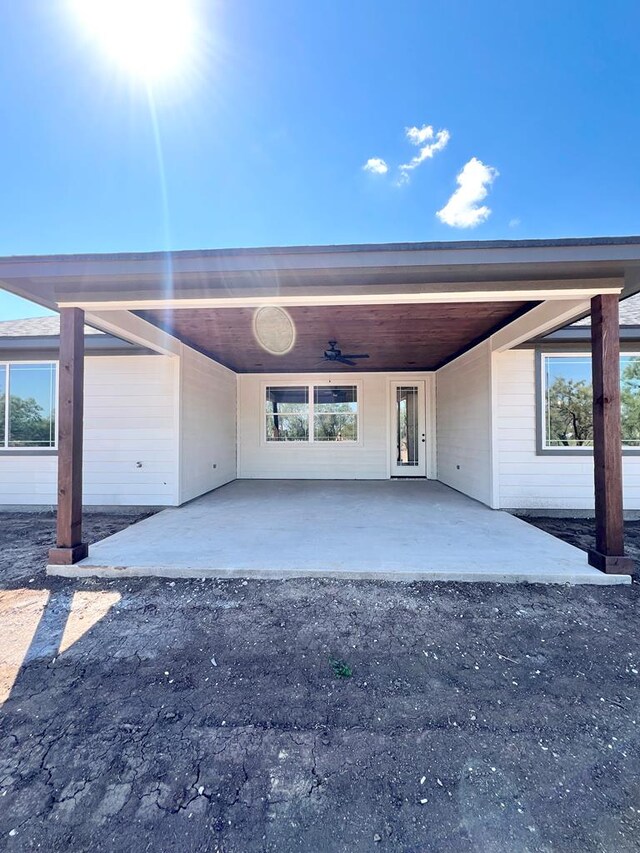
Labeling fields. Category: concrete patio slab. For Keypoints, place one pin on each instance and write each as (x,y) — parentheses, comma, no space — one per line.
(383,529)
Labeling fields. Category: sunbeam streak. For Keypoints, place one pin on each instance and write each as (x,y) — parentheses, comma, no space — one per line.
(162,177)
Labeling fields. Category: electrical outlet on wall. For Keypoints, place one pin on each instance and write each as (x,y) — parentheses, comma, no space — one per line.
(215,465)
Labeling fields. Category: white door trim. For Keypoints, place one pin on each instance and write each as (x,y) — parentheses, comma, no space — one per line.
(430,402)
(422,469)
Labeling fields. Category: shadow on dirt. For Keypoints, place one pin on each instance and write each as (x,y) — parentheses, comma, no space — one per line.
(209,715)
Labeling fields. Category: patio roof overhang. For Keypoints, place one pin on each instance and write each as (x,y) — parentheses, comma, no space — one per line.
(417,304)
(507,292)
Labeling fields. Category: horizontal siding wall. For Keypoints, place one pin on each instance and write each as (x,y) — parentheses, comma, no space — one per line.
(530,481)
(463,416)
(208,409)
(28,479)
(368,459)
(130,418)
(129,439)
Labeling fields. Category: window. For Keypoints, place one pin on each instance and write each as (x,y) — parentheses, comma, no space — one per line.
(27,405)
(335,413)
(568,399)
(311,413)
(287,409)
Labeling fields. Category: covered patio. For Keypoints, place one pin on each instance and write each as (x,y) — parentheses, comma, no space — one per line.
(384,529)
(434,317)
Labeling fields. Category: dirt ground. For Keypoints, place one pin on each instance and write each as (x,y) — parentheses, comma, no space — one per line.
(312,715)
(581,533)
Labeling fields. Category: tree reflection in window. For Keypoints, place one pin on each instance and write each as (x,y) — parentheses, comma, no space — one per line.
(568,400)
(30,418)
(310,413)
(335,411)
(287,411)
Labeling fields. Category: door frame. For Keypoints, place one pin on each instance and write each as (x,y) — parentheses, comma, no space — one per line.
(428,417)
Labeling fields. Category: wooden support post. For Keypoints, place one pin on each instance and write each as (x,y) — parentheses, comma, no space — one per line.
(69,546)
(608,555)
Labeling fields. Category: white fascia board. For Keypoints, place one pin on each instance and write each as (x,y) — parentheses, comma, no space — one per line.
(526,294)
(538,321)
(123,324)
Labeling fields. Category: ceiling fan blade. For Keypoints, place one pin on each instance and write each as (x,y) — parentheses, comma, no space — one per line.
(355,355)
(344,360)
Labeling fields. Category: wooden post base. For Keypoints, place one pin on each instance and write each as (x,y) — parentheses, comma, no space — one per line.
(68,556)
(611,565)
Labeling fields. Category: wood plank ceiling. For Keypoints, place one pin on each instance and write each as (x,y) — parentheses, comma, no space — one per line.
(397,337)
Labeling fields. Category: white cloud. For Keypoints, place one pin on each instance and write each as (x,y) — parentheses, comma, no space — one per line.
(462,210)
(376,165)
(430,142)
(513,223)
(419,135)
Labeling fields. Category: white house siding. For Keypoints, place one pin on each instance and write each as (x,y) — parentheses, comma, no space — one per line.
(464,424)
(368,459)
(129,439)
(28,479)
(529,481)
(207,425)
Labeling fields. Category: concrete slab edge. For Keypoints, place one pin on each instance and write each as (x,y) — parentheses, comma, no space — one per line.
(112,572)
(117,509)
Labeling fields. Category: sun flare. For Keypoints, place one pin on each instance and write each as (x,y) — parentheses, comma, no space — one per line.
(147,39)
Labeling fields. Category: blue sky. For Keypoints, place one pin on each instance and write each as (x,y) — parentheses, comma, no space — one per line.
(264,142)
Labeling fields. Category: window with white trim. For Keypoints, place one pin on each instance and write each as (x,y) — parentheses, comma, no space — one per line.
(567,401)
(311,413)
(28,392)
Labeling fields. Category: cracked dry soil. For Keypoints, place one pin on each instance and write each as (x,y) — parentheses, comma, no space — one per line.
(206,716)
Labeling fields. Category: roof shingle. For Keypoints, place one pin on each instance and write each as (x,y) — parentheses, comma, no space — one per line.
(36,327)
(629,313)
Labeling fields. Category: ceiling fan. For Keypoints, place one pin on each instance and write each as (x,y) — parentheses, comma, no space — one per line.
(335,354)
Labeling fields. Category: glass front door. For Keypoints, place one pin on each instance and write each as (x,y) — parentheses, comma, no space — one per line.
(408,438)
